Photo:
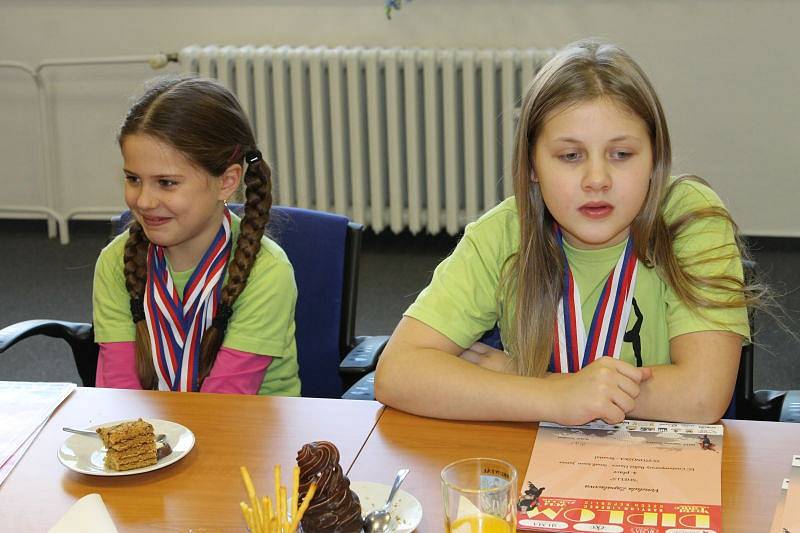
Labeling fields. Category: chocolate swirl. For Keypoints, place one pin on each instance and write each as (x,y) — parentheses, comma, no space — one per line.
(335,508)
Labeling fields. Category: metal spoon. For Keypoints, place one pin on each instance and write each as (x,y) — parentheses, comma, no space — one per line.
(378,520)
(159,437)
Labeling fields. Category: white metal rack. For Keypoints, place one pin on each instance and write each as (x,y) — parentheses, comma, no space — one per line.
(57,222)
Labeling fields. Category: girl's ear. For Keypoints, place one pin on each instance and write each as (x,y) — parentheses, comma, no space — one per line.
(229,181)
(534,179)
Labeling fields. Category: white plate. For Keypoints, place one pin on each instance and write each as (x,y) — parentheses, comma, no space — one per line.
(405,508)
(85,454)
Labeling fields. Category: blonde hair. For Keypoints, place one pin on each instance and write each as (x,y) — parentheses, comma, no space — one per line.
(532,277)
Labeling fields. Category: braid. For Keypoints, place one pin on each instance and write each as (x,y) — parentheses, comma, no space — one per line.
(258,201)
(135,271)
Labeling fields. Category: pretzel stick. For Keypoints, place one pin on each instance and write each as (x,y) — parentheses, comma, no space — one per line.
(251,493)
(264,517)
(254,520)
(284,510)
(248,483)
(270,512)
(277,471)
(303,506)
(246,515)
(295,491)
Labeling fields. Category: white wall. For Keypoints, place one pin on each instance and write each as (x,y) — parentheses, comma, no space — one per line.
(725,69)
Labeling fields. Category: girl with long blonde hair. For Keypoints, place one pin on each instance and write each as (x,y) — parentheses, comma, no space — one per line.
(618,290)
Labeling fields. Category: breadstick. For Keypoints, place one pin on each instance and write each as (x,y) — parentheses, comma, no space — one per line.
(295,491)
(268,513)
(284,509)
(303,506)
(254,519)
(247,517)
(251,493)
(248,483)
(277,471)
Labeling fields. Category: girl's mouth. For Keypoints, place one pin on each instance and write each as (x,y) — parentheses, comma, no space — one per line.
(154,221)
(596,209)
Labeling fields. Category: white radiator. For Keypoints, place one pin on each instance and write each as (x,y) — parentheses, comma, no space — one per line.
(398,138)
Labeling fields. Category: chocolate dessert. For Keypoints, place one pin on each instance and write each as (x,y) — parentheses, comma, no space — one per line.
(335,508)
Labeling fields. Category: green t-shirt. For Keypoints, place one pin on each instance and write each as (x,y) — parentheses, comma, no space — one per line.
(461,301)
(263,314)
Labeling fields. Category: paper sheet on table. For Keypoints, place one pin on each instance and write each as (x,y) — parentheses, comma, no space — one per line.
(778,516)
(26,406)
(12,461)
(791,510)
(87,515)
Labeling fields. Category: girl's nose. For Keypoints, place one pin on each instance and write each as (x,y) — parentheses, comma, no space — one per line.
(147,198)
(597,176)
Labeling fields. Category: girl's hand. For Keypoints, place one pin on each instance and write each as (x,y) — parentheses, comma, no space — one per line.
(606,389)
(489,358)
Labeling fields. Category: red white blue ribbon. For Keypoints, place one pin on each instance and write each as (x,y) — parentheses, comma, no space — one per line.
(572,347)
(176,325)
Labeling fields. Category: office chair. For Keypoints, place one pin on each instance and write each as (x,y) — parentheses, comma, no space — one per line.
(749,404)
(324,250)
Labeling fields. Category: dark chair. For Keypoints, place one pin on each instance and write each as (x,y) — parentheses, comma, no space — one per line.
(749,404)
(324,250)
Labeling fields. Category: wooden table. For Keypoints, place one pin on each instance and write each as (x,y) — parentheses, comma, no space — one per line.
(201,492)
(756,457)
(426,445)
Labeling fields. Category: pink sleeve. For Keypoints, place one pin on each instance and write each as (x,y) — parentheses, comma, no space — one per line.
(116,366)
(236,372)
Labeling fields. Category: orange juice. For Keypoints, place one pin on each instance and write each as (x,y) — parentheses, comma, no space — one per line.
(482,523)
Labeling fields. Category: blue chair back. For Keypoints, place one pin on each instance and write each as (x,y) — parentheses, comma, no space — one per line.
(315,243)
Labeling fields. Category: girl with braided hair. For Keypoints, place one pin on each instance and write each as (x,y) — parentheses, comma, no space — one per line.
(190,297)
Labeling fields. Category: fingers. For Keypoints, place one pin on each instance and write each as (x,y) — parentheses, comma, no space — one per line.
(623,400)
(472,356)
(615,387)
(628,386)
(637,374)
(482,348)
(626,378)
(615,417)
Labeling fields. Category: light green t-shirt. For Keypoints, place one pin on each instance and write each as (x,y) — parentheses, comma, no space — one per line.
(263,314)
(461,301)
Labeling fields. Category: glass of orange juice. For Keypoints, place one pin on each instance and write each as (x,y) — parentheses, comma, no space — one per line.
(480,496)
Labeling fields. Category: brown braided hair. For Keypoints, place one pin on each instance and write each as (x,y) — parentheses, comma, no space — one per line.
(202,120)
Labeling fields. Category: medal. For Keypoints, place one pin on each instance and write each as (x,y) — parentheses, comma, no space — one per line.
(176,326)
(573,348)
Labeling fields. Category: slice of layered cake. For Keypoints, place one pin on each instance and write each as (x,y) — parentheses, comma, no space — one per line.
(129,445)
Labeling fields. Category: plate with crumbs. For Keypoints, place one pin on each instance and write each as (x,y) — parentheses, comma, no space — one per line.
(405,509)
(86,454)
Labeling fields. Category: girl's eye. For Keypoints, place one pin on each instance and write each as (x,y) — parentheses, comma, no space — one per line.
(571,156)
(131,179)
(167,183)
(620,154)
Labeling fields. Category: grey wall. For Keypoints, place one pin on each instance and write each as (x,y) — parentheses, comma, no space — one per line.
(725,69)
